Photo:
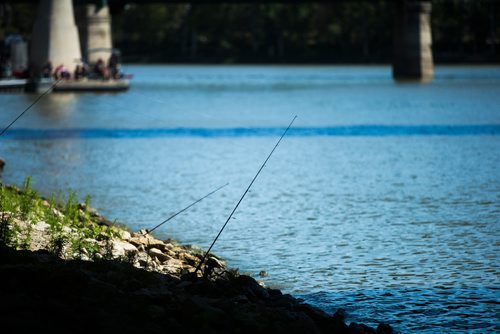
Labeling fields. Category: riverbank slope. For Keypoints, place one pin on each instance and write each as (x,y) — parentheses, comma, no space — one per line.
(66,268)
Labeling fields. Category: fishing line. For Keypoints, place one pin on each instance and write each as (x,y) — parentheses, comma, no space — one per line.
(187,207)
(241,199)
(174,215)
(31,105)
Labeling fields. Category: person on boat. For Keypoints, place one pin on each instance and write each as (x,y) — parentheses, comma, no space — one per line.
(61,73)
(21,73)
(100,69)
(79,72)
(85,69)
(6,68)
(57,72)
(114,65)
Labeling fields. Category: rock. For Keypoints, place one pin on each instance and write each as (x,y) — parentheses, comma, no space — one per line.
(204,310)
(99,219)
(274,292)
(146,241)
(39,235)
(158,254)
(142,232)
(241,299)
(384,329)
(252,287)
(166,249)
(138,241)
(173,266)
(125,235)
(215,263)
(169,244)
(314,313)
(155,311)
(284,301)
(355,328)
(143,263)
(184,284)
(152,266)
(41,226)
(2,164)
(263,273)
(188,258)
(122,248)
(340,314)
(338,322)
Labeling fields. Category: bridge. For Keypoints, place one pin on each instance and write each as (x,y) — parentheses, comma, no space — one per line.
(63,35)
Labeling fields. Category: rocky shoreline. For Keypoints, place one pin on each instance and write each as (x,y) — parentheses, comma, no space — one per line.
(132,282)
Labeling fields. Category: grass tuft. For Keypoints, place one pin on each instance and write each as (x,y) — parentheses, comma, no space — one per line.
(73,228)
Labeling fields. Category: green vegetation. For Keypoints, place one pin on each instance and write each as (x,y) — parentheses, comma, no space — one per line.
(71,225)
(308,32)
(337,32)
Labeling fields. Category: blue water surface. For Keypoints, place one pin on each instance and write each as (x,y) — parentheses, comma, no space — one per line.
(384,198)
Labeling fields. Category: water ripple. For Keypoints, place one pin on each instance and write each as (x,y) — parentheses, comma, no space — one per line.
(343,131)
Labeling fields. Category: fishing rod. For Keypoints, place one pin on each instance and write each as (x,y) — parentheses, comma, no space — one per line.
(187,207)
(241,199)
(31,105)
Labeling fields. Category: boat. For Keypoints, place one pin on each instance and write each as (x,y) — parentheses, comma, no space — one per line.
(12,85)
(92,85)
(71,85)
(96,78)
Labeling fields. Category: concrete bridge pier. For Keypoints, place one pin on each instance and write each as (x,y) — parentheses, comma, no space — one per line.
(94,23)
(413,42)
(55,36)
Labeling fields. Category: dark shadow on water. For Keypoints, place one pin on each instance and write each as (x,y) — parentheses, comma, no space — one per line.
(341,131)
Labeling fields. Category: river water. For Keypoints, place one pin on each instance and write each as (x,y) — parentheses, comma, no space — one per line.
(384,198)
